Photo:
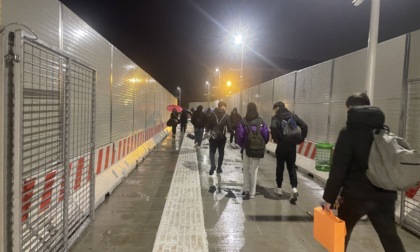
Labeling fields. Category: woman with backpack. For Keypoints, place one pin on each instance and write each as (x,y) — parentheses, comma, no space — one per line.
(251,135)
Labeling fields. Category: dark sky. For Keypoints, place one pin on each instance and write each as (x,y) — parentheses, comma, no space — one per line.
(179,41)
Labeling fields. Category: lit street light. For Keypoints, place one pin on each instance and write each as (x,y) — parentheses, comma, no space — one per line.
(208,93)
(219,72)
(179,95)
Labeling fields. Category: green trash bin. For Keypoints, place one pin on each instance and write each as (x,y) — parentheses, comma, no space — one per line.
(323,157)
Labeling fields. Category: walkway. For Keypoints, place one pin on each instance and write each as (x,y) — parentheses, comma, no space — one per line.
(215,218)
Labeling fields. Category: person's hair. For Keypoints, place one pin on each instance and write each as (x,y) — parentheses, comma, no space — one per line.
(279,104)
(221,104)
(357,99)
(174,110)
(251,107)
(200,107)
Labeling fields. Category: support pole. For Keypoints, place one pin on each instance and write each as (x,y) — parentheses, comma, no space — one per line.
(372,45)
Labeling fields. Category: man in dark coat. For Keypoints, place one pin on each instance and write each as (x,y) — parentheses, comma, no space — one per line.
(286,151)
(350,162)
(184,120)
(217,124)
(235,118)
(199,120)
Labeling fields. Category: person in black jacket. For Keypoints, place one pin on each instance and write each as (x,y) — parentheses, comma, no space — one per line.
(184,120)
(286,151)
(235,119)
(217,124)
(199,120)
(175,121)
(350,162)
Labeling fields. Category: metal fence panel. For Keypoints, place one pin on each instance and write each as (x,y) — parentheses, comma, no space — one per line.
(312,99)
(43,17)
(56,108)
(348,78)
(414,65)
(150,104)
(410,214)
(265,107)
(139,99)
(122,95)
(81,41)
(388,80)
(284,90)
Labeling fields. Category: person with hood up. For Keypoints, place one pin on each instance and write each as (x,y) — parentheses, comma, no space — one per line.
(250,164)
(358,195)
(184,120)
(235,118)
(216,125)
(286,151)
(199,120)
(175,121)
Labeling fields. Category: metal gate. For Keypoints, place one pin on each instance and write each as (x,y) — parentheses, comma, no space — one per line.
(51,118)
(410,210)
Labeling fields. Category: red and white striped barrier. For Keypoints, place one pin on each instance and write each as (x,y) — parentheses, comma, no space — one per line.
(46,184)
(307,149)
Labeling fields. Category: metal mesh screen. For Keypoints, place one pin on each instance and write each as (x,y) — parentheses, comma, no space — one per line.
(410,217)
(42,149)
(57,136)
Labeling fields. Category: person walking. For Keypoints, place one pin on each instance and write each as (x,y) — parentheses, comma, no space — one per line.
(255,125)
(199,120)
(359,196)
(174,119)
(184,120)
(286,150)
(235,118)
(217,124)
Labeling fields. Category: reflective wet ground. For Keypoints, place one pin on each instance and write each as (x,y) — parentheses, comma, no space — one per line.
(129,219)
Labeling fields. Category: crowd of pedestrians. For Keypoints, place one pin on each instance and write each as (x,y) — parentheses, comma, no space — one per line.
(347,185)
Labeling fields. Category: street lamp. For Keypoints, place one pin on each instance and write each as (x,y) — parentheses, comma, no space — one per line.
(239,40)
(179,95)
(219,72)
(208,93)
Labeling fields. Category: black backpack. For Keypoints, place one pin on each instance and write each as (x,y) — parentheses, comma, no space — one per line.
(216,134)
(255,146)
(291,132)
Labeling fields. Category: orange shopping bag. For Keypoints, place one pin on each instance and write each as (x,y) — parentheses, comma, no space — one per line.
(329,230)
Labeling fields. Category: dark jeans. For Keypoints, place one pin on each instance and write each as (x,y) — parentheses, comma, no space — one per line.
(233,135)
(288,156)
(381,215)
(174,128)
(198,134)
(220,145)
(183,127)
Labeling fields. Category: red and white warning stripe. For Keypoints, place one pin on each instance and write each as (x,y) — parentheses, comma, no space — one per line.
(307,149)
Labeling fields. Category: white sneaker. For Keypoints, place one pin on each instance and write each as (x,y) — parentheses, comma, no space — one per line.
(251,196)
(198,147)
(278,191)
(294,195)
(195,145)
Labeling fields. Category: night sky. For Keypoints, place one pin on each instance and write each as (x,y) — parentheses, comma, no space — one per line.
(179,42)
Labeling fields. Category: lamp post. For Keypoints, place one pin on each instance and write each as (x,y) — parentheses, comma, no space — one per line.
(208,93)
(239,40)
(219,72)
(372,45)
(179,95)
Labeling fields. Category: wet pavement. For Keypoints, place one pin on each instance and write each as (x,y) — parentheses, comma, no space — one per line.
(129,220)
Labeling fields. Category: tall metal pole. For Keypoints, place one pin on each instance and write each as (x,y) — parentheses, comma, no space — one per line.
(241,77)
(372,45)
(208,94)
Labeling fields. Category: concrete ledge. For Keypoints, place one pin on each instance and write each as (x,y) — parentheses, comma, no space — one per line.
(108,180)
(305,165)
